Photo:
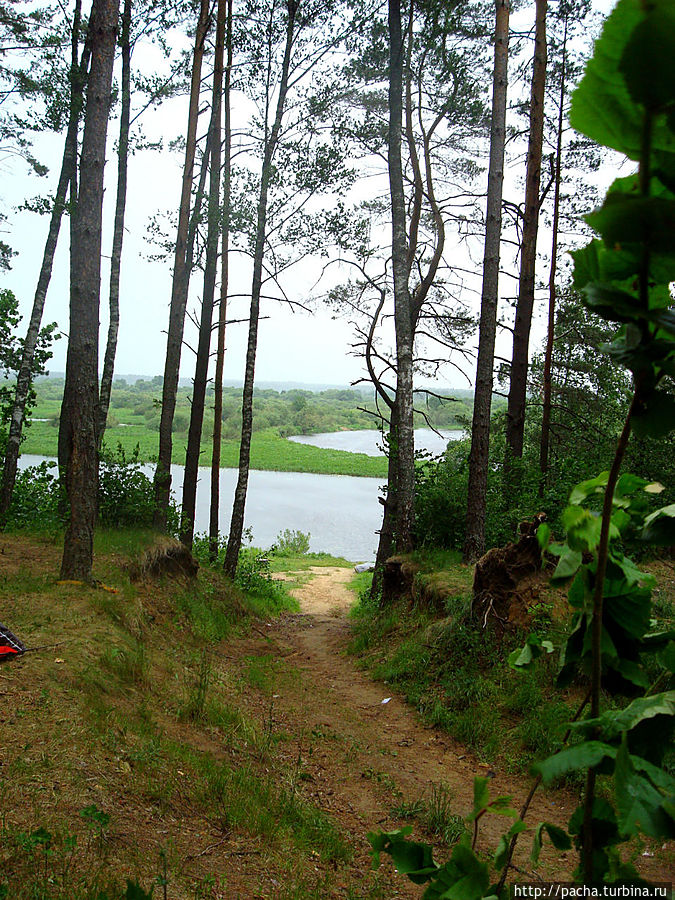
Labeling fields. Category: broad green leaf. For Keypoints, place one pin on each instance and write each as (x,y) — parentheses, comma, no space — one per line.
(409,857)
(613,722)
(572,759)
(632,672)
(630,219)
(568,564)
(602,107)
(656,417)
(647,62)
(660,526)
(587,488)
(463,877)
(638,802)
(544,535)
(667,656)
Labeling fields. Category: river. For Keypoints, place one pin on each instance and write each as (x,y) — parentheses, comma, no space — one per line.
(370,442)
(340,512)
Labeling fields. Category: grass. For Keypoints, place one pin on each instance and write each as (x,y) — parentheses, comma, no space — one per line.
(268,451)
(134,746)
(454,673)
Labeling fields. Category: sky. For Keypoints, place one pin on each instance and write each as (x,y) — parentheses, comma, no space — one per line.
(293,345)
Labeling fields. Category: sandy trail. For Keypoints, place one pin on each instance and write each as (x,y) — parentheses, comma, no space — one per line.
(364,750)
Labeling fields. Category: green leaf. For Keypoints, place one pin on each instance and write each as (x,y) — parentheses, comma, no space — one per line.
(481,795)
(409,857)
(638,802)
(660,526)
(667,657)
(533,649)
(463,877)
(135,892)
(647,60)
(558,836)
(572,759)
(501,853)
(568,564)
(656,417)
(602,106)
(587,488)
(544,535)
(631,219)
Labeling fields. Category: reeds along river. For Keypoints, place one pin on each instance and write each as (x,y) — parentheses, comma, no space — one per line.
(341,512)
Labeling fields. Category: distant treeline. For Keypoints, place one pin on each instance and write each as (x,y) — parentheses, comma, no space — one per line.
(287,412)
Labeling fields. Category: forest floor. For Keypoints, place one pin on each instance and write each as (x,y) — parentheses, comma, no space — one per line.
(246,765)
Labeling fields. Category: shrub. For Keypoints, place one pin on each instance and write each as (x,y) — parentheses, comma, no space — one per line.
(291,543)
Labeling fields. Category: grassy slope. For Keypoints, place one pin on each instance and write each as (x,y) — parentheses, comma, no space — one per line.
(457,675)
(135,744)
(268,451)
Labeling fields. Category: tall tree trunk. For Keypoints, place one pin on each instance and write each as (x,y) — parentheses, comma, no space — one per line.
(474,543)
(404,437)
(180,286)
(80,399)
(548,354)
(515,415)
(386,543)
(204,343)
(239,506)
(24,378)
(118,229)
(214,512)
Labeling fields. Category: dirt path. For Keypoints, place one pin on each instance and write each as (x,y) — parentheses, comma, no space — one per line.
(363,750)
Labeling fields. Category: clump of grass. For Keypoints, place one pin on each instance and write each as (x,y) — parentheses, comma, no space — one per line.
(195,705)
(129,662)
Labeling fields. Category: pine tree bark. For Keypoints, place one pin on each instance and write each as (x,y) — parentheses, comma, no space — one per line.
(180,285)
(118,228)
(474,544)
(214,511)
(404,436)
(515,416)
(239,506)
(548,353)
(68,165)
(204,341)
(80,400)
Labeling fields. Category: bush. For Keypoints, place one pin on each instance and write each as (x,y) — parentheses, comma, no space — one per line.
(125,493)
(291,543)
(35,502)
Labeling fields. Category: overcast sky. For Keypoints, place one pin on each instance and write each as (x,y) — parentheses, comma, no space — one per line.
(292,346)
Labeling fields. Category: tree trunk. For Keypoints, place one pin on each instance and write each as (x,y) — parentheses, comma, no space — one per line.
(180,286)
(214,512)
(118,230)
(80,399)
(204,343)
(515,416)
(548,354)
(404,437)
(385,546)
(239,506)
(474,544)
(24,377)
